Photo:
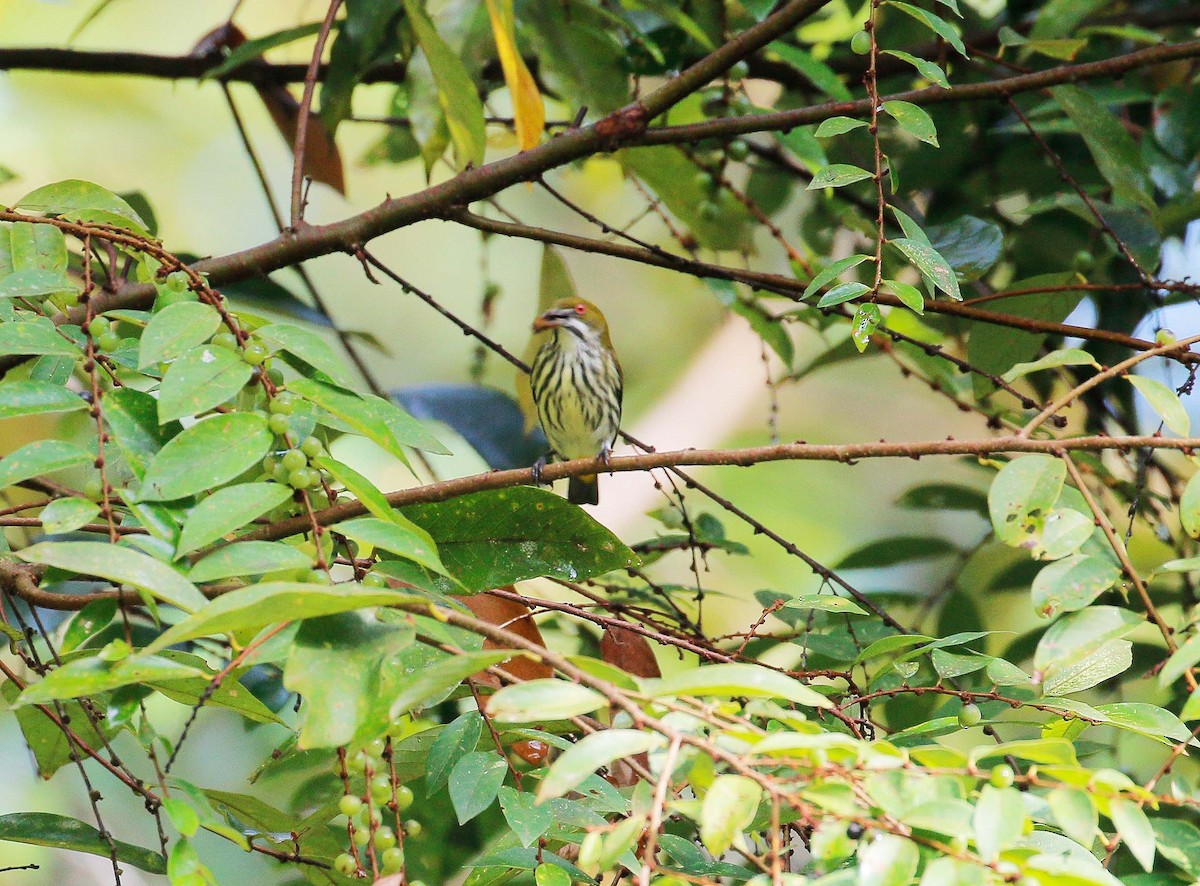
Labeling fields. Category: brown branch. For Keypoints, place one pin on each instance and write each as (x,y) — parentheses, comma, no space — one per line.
(310,83)
(848,453)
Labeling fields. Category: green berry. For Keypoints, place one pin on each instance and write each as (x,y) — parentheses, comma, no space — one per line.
(356,764)
(738,150)
(374,580)
(349,805)
(311,447)
(704,181)
(225,340)
(709,210)
(93,489)
(345,864)
(279,424)
(381,787)
(860,43)
(177,281)
(412,828)
(109,341)
(416,883)
(741,106)
(392,860)
(375,751)
(361,837)
(255,353)
(404,798)
(1002,776)
(969,716)
(284,403)
(293,459)
(270,463)
(385,838)
(302,478)
(276,376)
(318,577)
(98,327)
(739,71)
(1083,261)
(280,474)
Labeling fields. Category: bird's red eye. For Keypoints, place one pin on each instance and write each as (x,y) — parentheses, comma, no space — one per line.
(581,309)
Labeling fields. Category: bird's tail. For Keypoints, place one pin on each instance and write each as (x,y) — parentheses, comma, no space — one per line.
(583,490)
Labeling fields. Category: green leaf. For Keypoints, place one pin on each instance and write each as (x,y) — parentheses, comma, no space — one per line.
(1181,660)
(1179,842)
(1135,829)
(543,700)
(202,378)
(825,603)
(211,452)
(255,48)
(437,680)
(768,327)
(227,510)
(120,565)
(935,23)
(367,417)
(38,336)
(362,489)
(838,125)
(1053,360)
(1149,720)
(913,119)
(866,320)
(837,175)
(457,93)
(50,747)
(736,679)
(67,514)
(528,820)
(1189,507)
(1165,402)
(490,539)
(931,265)
(832,271)
(1108,660)
(474,783)
(945,497)
(133,418)
(1023,491)
(35,282)
(728,809)
(1077,634)
(1116,153)
(80,201)
(592,752)
(931,71)
(843,292)
(911,297)
(246,558)
(334,665)
(818,73)
(887,860)
(38,458)
(91,676)
(459,737)
(272,602)
(175,330)
(409,541)
(60,832)
(1075,813)
(1073,583)
(37,247)
(890,551)
(20,398)
(999,820)
(969,245)
(306,345)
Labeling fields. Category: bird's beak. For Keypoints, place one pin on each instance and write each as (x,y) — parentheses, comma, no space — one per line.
(548,320)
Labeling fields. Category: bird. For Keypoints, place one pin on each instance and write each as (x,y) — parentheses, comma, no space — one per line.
(577,388)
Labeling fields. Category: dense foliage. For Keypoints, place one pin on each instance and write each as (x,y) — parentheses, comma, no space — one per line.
(942,185)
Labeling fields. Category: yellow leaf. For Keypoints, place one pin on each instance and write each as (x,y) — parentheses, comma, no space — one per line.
(528,111)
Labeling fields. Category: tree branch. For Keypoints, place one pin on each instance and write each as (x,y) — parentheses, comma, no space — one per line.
(845,453)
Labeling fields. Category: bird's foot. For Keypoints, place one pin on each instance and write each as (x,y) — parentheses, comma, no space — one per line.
(605,456)
(538,467)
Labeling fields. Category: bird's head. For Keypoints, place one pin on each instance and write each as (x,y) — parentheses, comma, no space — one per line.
(575,315)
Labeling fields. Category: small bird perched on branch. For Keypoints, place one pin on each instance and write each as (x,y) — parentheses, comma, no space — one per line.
(576,384)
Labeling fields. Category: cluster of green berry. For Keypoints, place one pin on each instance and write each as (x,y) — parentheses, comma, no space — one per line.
(364,813)
(721,101)
(291,466)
